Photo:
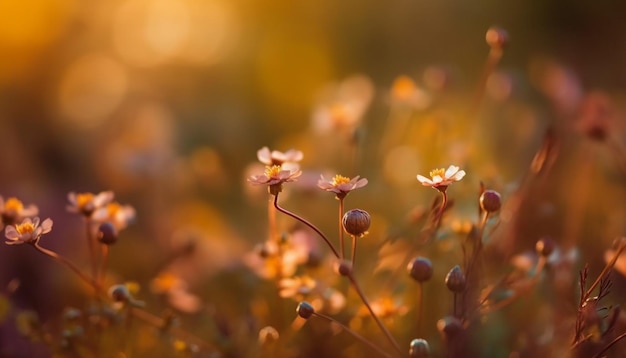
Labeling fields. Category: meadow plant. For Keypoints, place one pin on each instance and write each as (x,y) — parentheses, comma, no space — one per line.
(452,275)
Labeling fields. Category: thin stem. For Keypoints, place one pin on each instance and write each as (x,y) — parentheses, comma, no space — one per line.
(69,265)
(105,262)
(495,54)
(353,249)
(92,249)
(420,308)
(307,223)
(271,217)
(444,202)
(354,334)
(341,234)
(143,315)
(380,324)
(606,269)
(608,346)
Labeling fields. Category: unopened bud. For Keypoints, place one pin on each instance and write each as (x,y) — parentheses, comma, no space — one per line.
(305,310)
(490,201)
(356,222)
(343,267)
(420,269)
(107,233)
(449,327)
(419,348)
(455,280)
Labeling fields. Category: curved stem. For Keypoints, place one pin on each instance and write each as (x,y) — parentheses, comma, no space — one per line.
(341,234)
(354,334)
(143,315)
(69,265)
(307,223)
(380,324)
(608,346)
(444,202)
(606,269)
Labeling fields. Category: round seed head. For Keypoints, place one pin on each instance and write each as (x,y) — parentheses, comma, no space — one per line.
(490,201)
(420,269)
(455,280)
(305,310)
(419,348)
(107,233)
(356,222)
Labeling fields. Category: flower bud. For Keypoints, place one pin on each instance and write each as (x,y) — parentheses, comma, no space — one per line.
(490,201)
(545,246)
(305,310)
(120,293)
(497,37)
(455,280)
(107,233)
(419,348)
(343,267)
(420,269)
(449,327)
(356,222)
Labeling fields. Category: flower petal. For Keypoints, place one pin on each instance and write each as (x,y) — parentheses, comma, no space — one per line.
(424,180)
(459,175)
(264,155)
(46,226)
(452,170)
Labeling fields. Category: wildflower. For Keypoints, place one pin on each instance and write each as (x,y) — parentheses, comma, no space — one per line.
(115,213)
(341,185)
(289,158)
(274,177)
(28,232)
(87,203)
(440,179)
(12,210)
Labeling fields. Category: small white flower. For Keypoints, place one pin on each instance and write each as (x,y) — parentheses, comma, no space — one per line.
(87,203)
(28,232)
(440,178)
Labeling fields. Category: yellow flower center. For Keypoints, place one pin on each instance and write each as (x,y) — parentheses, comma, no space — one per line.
(437,172)
(338,179)
(84,199)
(164,282)
(13,204)
(25,228)
(113,208)
(273,171)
